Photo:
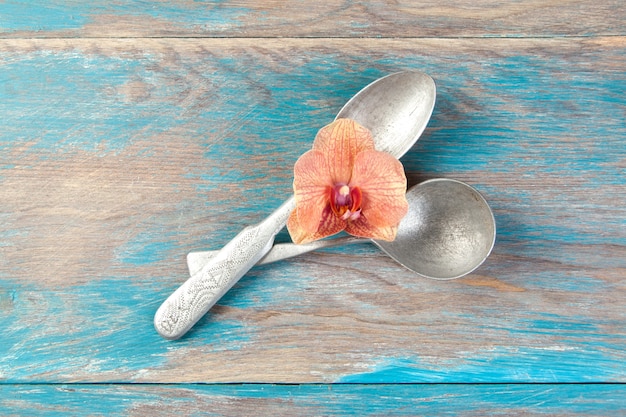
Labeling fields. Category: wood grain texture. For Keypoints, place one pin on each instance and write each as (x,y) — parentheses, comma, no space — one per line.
(121,156)
(328,19)
(312,400)
(132,133)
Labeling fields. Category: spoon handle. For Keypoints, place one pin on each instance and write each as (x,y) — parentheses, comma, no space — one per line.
(279,252)
(190,302)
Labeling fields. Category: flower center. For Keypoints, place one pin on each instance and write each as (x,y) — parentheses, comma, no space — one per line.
(345,201)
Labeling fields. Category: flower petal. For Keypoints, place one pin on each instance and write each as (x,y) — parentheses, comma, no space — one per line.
(363,228)
(329,224)
(381,179)
(296,231)
(341,141)
(310,185)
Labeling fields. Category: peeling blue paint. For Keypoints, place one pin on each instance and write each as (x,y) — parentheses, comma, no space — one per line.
(36,16)
(110,319)
(104,328)
(508,365)
(63,103)
(337,400)
(143,249)
(25,15)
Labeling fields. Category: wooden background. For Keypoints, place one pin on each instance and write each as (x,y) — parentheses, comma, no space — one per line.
(134,132)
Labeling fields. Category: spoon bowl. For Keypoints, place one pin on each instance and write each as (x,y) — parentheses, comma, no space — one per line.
(396,106)
(447,233)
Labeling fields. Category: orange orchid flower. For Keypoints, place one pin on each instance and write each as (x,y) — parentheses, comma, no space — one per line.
(343,183)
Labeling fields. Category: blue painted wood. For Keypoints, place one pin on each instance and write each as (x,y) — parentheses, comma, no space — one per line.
(330,19)
(313,400)
(116,162)
(118,156)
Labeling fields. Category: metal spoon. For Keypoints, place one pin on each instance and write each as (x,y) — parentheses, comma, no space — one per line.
(447,233)
(395,108)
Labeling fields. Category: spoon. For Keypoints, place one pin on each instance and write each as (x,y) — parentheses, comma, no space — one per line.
(447,233)
(395,108)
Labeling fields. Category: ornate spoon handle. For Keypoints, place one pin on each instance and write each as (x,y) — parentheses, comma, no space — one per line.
(199,293)
(279,252)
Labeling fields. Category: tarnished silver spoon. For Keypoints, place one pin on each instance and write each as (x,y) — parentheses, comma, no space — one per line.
(395,108)
(447,233)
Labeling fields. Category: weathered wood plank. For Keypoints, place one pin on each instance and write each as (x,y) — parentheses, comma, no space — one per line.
(330,19)
(313,400)
(117,157)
